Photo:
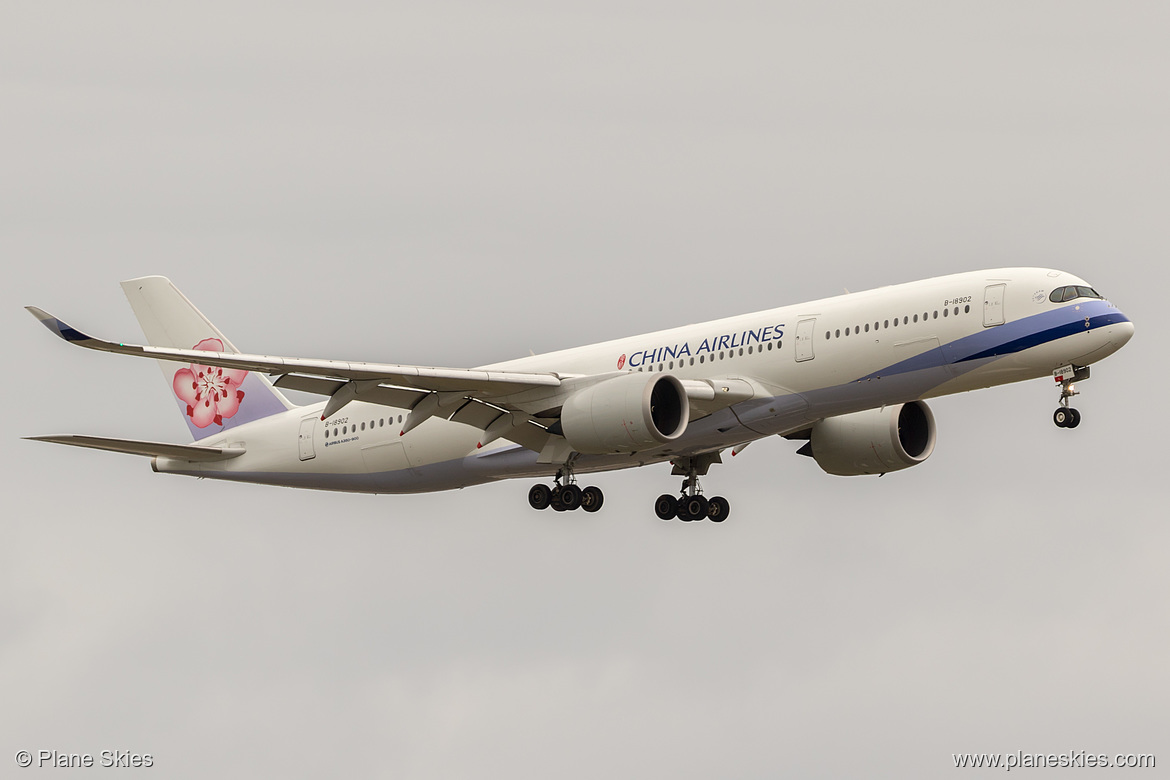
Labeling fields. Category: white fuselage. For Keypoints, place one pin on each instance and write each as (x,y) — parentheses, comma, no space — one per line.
(802,363)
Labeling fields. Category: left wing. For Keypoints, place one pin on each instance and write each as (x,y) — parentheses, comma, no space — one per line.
(520,406)
(501,403)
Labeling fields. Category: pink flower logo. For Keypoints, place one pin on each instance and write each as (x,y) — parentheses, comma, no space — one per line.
(211,393)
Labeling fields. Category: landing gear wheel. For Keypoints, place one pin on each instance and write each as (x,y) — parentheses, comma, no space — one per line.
(1075,420)
(691,508)
(570,497)
(1063,417)
(556,503)
(666,506)
(592,498)
(718,509)
(539,497)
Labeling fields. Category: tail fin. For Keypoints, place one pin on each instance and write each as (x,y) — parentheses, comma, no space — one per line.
(211,399)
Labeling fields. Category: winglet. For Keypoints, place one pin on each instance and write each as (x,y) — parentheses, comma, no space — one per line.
(57,326)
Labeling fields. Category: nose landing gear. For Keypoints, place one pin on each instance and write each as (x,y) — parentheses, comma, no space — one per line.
(1065,416)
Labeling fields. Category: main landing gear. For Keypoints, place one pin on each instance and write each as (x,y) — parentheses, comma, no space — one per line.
(691,505)
(566,497)
(1065,416)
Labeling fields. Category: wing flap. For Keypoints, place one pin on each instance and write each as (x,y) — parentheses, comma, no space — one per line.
(397,397)
(191,452)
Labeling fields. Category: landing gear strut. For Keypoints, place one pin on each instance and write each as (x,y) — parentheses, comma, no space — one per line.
(1065,416)
(565,497)
(692,505)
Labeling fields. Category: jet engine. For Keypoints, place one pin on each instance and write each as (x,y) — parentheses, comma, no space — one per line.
(873,441)
(629,413)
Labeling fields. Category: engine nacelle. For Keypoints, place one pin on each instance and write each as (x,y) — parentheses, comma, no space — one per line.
(874,441)
(629,413)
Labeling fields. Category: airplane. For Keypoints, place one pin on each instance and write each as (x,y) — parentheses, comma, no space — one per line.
(847,375)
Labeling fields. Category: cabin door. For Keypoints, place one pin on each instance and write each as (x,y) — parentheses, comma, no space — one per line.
(305,438)
(804,339)
(993,305)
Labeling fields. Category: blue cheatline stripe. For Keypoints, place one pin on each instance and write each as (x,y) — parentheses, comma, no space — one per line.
(1011,337)
(1044,336)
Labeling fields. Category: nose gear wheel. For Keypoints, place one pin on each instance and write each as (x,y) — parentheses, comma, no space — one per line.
(1065,416)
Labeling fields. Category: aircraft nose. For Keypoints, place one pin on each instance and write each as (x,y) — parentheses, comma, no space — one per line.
(1121,333)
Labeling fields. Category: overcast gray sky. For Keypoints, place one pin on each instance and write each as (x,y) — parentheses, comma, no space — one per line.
(458,183)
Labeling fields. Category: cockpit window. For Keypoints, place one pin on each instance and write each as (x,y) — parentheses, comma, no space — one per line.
(1072,292)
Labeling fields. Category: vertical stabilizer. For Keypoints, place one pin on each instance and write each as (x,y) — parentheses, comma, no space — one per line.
(211,399)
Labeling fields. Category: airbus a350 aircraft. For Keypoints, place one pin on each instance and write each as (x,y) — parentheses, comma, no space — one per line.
(847,374)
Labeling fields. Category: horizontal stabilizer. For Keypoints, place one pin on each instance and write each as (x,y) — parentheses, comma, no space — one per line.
(192,452)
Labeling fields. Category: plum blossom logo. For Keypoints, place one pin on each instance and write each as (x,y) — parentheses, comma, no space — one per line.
(621,361)
(211,393)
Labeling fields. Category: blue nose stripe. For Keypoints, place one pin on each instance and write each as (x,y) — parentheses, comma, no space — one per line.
(1014,336)
(1039,337)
